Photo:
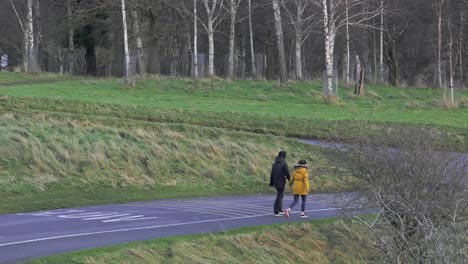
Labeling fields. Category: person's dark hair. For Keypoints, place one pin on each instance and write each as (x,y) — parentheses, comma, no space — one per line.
(282,154)
(302,162)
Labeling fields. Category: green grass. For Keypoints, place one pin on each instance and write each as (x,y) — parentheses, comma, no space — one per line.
(49,162)
(254,106)
(66,141)
(323,241)
(16,78)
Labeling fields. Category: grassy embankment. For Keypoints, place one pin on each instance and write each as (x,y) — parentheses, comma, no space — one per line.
(89,141)
(324,241)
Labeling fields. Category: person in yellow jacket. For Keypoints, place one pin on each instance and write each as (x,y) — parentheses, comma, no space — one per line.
(300,184)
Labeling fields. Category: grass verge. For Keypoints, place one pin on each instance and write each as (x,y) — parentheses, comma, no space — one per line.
(322,241)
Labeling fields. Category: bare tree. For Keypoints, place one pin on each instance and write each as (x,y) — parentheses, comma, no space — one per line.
(462,6)
(213,10)
(450,43)
(71,34)
(302,27)
(420,194)
(438,6)
(252,50)
(30,39)
(280,44)
(233,6)
(381,68)
(127,74)
(195,40)
(334,18)
(138,40)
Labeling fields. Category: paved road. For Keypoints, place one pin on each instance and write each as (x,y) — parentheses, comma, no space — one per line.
(31,235)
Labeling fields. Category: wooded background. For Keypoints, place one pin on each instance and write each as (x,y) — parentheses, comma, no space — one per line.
(398,42)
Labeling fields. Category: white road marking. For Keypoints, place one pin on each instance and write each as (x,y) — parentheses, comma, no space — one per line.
(105,217)
(124,218)
(213,211)
(146,228)
(48,213)
(84,215)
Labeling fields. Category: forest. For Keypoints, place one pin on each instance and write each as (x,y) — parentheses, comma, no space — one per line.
(395,42)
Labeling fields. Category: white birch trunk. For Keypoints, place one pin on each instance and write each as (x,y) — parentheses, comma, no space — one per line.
(233,12)
(439,50)
(139,42)
(348,52)
(299,39)
(451,72)
(381,41)
(330,35)
(280,44)
(460,44)
(252,51)
(195,40)
(30,36)
(71,33)
(298,56)
(127,54)
(211,72)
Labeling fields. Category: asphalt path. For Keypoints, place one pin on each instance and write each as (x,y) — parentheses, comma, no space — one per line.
(26,236)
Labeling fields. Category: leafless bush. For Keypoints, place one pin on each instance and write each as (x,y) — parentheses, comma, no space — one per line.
(420,195)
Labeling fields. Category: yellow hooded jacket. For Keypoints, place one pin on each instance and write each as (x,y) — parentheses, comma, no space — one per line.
(300,181)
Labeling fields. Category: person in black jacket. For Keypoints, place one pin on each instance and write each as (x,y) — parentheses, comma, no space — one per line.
(279,174)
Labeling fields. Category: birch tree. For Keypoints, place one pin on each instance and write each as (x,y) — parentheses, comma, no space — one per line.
(381,41)
(127,77)
(213,10)
(32,57)
(450,55)
(280,44)
(71,34)
(233,6)
(302,27)
(195,40)
(334,18)
(138,40)
(438,6)
(252,50)
(462,6)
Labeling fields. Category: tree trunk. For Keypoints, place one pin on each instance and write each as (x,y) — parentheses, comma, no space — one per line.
(330,34)
(195,41)
(451,72)
(154,63)
(392,62)
(127,77)
(139,43)
(382,42)
(359,77)
(348,52)
(38,59)
(460,44)
(252,50)
(71,33)
(30,38)
(211,72)
(298,56)
(233,11)
(439,50)
(280,44)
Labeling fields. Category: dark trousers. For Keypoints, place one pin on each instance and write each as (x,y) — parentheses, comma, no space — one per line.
(279,201)
(296,200)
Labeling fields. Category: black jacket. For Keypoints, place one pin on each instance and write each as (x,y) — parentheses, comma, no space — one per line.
(279,173)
